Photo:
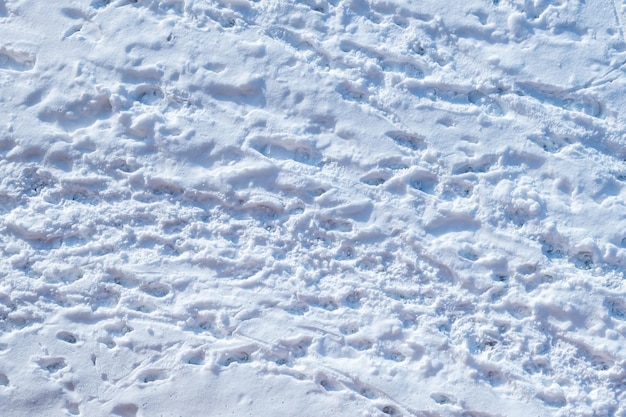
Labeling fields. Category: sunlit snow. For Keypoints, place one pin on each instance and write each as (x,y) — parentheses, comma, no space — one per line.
(312,208)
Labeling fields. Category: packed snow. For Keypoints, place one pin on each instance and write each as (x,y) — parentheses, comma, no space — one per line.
(312,208)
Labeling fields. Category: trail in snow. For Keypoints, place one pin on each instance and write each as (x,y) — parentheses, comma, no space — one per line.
(312,208)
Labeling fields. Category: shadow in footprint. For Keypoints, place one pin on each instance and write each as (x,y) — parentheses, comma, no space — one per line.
(16,60)
(155,290)
(390,410)
(66,337)
(72,408)
(52,365)
(485,103)
(152,375)
(239,357)
(407,140)
(616,308)
(194,357)
(125,410)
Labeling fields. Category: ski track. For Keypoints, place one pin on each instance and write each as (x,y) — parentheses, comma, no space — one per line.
(356,207)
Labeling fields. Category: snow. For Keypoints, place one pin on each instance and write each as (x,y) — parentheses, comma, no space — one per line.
(315,208)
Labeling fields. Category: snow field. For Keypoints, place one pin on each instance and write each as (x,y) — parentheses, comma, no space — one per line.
(370,208)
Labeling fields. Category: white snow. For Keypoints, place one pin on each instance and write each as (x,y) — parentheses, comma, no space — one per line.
(312,208)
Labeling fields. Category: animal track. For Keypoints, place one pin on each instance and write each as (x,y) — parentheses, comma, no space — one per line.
(251,92)
(553,396)
(16,60)
(551,142)
(616,307)
(72,408)
(194,357)
(325,273)
(287,149)
(585,104)
(479,165)
(74,13)
(490,375)
(122,278)
(151,375)
(99,4)
(407,140)
(66,337)
(353,299)
(393,355)
(485,103)
(118,329)
(52,365)
(76,113)
(441,398)
(376,178)
(147,94)
(141,306)
(406,69)
(155,290)
(289,37)
(583,260)
(230,357)
(329,385)
(325,303)
(424,181)
(351,91)
(359,343)
(296,348)
(125,410)
(107,341)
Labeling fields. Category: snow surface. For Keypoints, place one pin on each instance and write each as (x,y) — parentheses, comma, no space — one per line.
(312,208)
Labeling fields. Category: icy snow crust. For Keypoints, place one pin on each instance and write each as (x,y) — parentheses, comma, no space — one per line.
(313,208)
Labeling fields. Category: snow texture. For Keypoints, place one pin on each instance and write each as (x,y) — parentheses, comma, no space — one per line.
(312,208)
